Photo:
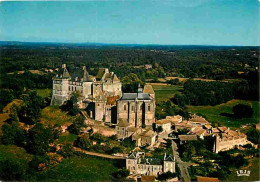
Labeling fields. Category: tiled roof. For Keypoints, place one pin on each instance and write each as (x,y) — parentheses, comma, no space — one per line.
(187,137)
(123,123)
(162,121)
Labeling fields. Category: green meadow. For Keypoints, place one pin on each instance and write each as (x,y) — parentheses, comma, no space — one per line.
(165,92)
(219,113)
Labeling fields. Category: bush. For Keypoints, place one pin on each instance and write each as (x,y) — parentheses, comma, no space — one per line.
(165,176)
(242,111)
(83,142)
(77,124)
(121,174)
(66,151)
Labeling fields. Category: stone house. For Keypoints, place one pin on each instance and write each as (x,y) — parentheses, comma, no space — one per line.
(137,108)
(165,124)
(137,163)
(124,130)
(145,138)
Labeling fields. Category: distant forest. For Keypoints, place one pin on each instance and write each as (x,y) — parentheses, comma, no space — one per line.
(184,61)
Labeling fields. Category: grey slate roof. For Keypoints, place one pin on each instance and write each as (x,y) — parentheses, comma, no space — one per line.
(133,96)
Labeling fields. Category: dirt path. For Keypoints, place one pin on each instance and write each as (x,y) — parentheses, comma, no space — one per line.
(97,154)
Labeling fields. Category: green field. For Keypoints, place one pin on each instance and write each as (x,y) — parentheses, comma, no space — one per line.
(165,92)
(213,113)
(44,92)
(67,138)
(80,169)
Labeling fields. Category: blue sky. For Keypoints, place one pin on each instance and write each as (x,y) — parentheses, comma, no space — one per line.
(176,22)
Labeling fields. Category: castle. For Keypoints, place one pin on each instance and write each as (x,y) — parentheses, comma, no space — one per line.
(102,96)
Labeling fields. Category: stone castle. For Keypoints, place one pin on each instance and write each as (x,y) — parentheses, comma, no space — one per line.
(102,96)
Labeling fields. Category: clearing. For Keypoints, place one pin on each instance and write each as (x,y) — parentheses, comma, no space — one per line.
(213,113)
(164,92)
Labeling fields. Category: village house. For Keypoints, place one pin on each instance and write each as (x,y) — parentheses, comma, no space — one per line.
(164,124)
(145,138)
(137,163)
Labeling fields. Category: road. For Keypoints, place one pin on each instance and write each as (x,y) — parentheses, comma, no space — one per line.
(183,166)
(97,154)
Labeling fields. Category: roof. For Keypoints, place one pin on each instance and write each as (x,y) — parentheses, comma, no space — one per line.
(63,72)
(199,120)
(148,133)
(123,123)
(134,96)
(148,89)
(188,137)
(222,128)
(206,179)
(163,121)
(168,158)
(151,161)
(132,129)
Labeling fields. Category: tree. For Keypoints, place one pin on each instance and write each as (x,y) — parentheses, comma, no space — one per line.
(253,135)
(130,83)
(83,142)
(71,105)
(242,111)
(121,174)
(39,139)
(165,176)
(30,110)
(77,124)
(12,134)
(67,150)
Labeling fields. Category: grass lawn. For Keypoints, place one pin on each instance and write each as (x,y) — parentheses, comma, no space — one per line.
(53,115)
(67,138)
(165,92)
(254,172)
(14,152)
(213,113)
(44,92)
(77,168)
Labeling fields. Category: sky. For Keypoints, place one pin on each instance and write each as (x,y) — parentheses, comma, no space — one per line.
(166,22)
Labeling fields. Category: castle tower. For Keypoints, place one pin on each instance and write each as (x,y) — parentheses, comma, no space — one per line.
(60,87)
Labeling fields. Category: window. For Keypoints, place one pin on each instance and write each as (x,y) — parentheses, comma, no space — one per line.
(69,88)
(149,108)
(132,108)
(125,107)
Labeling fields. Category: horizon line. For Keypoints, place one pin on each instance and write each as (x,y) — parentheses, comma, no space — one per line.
(133,44)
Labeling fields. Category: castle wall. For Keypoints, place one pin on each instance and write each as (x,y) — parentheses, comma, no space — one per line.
(100,110)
